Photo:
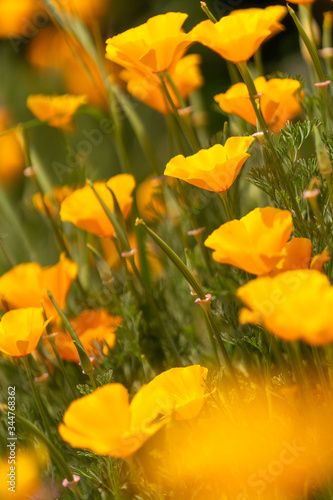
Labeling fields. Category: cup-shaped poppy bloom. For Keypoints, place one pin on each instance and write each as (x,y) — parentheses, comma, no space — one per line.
(254,243)
(295,305)
(279,101)
(25,285)
(11,158)
(152,47)
(238,36)
(93,327)
(83,209)
(20,331)
(214,169)
(186,76)
(57,110)
(120,428)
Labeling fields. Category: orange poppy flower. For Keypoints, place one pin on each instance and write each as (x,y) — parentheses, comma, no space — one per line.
(119,429)
(297,255)
(254,243)
(278,101)
(285,305)
(20,331)
(26,285)
(186,76)
(26,484)
(238,36)
(83,209)
(15,16)
(11,158)
(93,327)
(153,47)
(57,111)
(214,169)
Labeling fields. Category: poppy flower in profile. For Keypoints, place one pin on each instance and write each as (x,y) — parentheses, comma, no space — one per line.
(255,243)
(20,331)
(57,110)
(186,76)
(25,285)
(214,169)
(297,255)
(83,209)
(153,47)
(93,327)
(294,305)
(238,36)
(120,428)
(279,101)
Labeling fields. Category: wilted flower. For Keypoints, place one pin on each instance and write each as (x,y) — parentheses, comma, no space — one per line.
(153,47)
(93,327)
(285,305)
(238,36)
(254,243)
(214,169)
(20,331)
(119,429)
(83,209)
(277,97)
(57,111)
(186,76)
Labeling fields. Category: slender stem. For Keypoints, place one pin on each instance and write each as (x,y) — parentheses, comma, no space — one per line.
(196,287)
(226,205)
(36,395)
(246,75)
(55,453)
(188,132)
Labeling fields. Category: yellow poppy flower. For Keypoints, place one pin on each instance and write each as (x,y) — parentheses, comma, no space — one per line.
(119,429)
(295,305)
(254,243)
(278,101)
(57,111)
(53,201)
(214,169)
(11,158)
(186,76)
(149,199)
(83,209)
(20,331)
(15,16)
(23,474)
(26,285)
(92,326)
(238,36)
(153,47)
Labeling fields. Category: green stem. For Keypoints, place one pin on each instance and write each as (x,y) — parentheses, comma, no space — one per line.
(196,287)
(248,80)
(36,395)
(55,454)
(226,205)
(188,132)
